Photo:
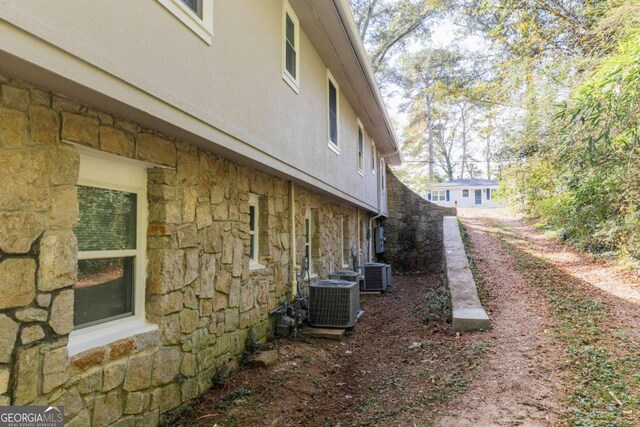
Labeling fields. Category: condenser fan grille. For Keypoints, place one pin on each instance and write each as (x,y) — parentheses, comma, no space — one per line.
(333,303)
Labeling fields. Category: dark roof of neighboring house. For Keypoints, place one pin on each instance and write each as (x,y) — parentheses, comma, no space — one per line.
(466,183)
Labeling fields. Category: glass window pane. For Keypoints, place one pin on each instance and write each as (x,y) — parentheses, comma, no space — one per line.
(104,290)
(290,60)
(333,118)
(291,31)
(107,219)
(252,218)
(252,246)
(195,5)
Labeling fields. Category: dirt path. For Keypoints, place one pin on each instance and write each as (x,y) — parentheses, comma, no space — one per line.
(520,382)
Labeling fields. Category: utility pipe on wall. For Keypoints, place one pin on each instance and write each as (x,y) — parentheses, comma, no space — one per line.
(292,245)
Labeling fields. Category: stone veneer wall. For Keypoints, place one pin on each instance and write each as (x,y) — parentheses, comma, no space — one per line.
(200,291)
(413,229)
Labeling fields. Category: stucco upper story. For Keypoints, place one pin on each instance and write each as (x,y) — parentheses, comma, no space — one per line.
(220,85)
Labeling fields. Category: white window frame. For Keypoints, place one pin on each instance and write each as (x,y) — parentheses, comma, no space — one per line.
(373,158)
(203,27)
(112,172)
(463,190)
(360,130)
(383,176)
(308,238)
(254,263)
(334,147)
(292,81)
(438,195)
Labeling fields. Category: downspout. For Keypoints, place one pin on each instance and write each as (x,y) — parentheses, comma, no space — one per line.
(358,234)
(292,243)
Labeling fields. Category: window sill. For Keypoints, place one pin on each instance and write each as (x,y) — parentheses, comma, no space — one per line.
(254,266)
(203,27)
(100,335)
(295,85)
(334,148)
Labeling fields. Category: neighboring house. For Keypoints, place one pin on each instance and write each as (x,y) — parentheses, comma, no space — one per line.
(465,193)
(165,166)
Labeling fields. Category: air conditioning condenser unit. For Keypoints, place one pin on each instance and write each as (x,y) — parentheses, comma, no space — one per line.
(334,304)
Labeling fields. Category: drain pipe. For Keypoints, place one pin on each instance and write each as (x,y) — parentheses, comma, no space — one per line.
(292,243)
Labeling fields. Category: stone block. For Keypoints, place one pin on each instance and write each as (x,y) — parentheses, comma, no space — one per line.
(8,334)
(116,141)
(88,359)
(190,298)
(62,313)
(220,301)
(45,125)
(40,97)
(90,381)
(207,275)
(66,165)
(187,235)
(189,390)
(188,320)
(72,403)
(60,103)
(113,375)
(18,231)
(24,183)
(169,397)
(14,97)
(203,215)
(80,420)
(64,207)
(55,361)
(138,375)
(165,304)
(13,128)
(170,329)
(27,375)
(31,334)
(82,129)
(166,270)
(232,319)
(4,380)
(44,300)
(52,381)
(17,286)
(189,202)
(264,358)
(107,409)
(155,149)
(192,266)
(188,367)
(166,365)
(246,298)
(58,260)
(121,348)
(223,282)
(136,402)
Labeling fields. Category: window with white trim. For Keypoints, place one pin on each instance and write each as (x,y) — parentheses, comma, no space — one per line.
(195,14)
(291,47)
(111,234)
(360,148)
(465,192)
(308,229)
(373,158)
(254,231)
(383,174)
(333,113)
(346,241)
(438,195)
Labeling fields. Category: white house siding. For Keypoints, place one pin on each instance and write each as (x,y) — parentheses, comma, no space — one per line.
(139,61)
(456,198)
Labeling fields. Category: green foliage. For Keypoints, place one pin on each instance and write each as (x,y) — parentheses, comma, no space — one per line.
(584,180)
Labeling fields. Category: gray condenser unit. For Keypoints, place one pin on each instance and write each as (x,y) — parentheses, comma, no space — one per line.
(349,276)
(379,239)
(334,303)
(377,276)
